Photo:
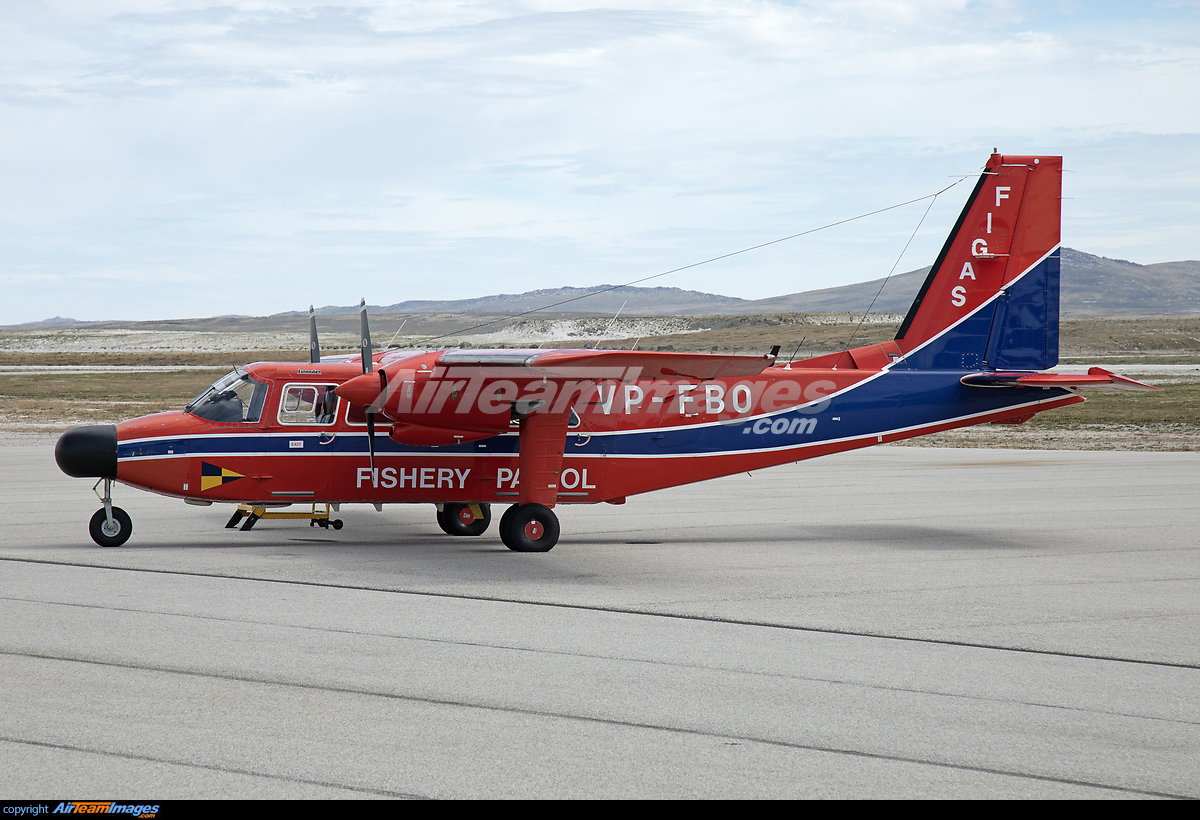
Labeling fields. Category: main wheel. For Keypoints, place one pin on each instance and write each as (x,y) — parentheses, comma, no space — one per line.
(457,519)
(505,520)
(114,534)
(530,528)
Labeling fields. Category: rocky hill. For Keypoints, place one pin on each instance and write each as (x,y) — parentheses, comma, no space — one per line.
(1091,286)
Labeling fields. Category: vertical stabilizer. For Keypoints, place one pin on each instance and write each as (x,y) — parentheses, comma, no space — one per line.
(991,299)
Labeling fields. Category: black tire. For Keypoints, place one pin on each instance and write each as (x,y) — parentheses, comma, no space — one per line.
(505,520)
(531,528)
(103,535)
(451,519)
(337,523)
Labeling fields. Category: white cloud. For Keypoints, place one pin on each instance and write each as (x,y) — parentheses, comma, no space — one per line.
(318,152)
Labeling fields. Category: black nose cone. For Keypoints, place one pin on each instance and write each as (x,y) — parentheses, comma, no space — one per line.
(88,452)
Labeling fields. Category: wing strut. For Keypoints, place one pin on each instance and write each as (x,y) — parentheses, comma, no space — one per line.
(542,438)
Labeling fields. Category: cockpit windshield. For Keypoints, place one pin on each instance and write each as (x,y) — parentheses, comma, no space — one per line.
(234,398)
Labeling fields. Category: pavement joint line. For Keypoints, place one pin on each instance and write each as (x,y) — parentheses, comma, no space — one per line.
(599,720)
(625,611)
(222,769)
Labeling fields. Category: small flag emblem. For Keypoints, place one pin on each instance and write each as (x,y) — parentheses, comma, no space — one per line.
(213,476)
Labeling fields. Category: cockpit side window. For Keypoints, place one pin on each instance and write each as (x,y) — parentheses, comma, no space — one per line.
(308,404)
(234,398)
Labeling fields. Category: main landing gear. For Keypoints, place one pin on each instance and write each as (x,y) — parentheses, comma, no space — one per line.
(110,526)
(529,528)
(464,519)
(523,527)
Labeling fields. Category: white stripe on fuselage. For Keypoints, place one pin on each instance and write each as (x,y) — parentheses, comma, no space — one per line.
(478,454)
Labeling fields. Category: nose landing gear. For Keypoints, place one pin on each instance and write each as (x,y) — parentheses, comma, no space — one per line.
(110,526)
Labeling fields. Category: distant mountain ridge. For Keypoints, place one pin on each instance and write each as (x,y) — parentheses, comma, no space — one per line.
(608,299)
(1091,286)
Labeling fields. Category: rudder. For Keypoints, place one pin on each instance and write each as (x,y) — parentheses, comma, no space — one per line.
(991,298)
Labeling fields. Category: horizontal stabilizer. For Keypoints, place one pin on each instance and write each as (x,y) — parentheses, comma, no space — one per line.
(1097,378)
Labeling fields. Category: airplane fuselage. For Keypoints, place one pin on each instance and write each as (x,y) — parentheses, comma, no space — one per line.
(626,437)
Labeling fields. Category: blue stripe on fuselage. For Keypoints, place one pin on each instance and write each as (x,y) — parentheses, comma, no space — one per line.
(896,400)
(893,400)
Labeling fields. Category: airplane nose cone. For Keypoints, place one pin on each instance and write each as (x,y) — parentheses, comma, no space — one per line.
(88,452)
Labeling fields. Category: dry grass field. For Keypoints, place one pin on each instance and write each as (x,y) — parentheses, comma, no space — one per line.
(53,380)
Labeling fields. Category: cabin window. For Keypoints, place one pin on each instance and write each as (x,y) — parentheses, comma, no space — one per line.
(356,414)
(308,404)
(234,398)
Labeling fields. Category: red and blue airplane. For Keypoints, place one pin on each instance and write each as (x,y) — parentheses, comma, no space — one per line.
(465,429)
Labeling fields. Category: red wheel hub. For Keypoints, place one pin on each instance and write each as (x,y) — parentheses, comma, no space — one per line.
(534,530)
(466,516)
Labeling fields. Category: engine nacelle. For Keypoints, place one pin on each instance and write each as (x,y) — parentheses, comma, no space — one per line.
(460,405)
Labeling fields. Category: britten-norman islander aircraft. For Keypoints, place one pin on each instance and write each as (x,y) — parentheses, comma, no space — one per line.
(465,429)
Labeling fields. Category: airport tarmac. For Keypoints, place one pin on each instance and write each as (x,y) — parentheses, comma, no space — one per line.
(892,623)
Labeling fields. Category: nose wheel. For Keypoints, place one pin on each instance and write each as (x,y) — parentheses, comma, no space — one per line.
(112,533)
(529,528)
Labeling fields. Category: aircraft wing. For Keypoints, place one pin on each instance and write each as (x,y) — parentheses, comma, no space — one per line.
(1097,378)
(631,364)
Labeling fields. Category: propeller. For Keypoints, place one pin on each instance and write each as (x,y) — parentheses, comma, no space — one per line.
(369,393)
(366,368)
(314,346)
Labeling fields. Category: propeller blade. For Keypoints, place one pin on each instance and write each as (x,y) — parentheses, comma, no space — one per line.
(383,389)
(372,409)
(369,391)
(314,346)
(371,437)
(366,337)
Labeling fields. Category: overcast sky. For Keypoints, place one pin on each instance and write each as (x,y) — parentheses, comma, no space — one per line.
(177,158)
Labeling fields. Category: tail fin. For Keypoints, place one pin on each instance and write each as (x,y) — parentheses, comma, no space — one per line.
(991,299)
